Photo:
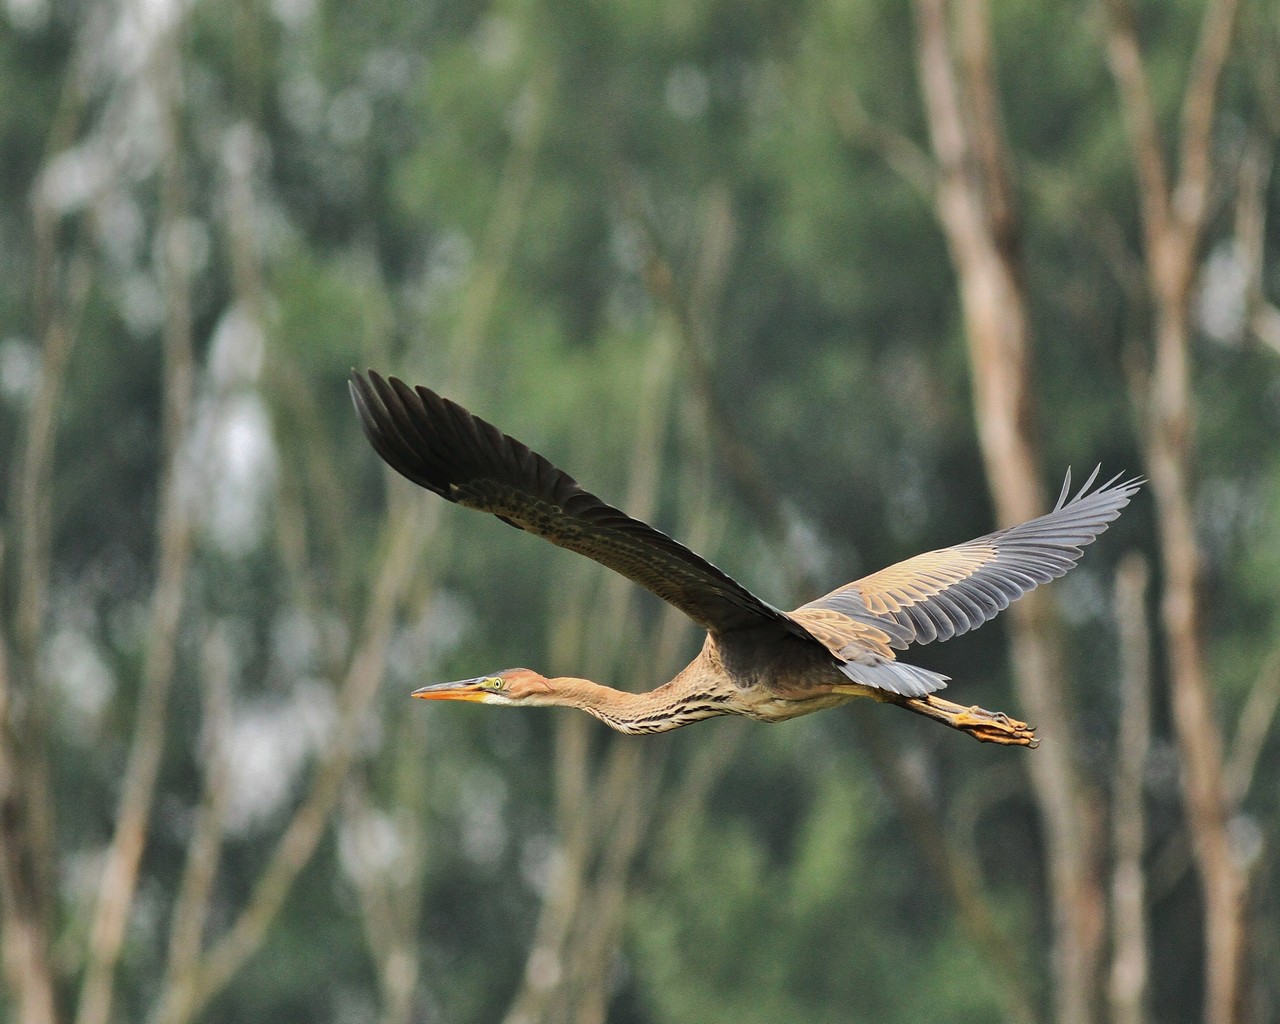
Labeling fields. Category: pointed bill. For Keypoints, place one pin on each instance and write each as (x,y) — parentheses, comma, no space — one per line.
(465,689)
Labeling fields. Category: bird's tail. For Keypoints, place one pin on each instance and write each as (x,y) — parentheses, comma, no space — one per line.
(894,676)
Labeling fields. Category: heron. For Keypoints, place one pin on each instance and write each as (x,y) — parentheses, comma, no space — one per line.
(757,660)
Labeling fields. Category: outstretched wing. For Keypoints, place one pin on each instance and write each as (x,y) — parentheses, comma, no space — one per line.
(944,593)
(439,445)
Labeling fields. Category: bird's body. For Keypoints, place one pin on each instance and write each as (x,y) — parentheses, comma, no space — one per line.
(757,661)
(727,678)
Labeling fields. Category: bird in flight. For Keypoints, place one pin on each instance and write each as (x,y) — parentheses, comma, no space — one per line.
(757,660)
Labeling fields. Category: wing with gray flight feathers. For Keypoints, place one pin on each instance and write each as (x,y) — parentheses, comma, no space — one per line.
(941,594)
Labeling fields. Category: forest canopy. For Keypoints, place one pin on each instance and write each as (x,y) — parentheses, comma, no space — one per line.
(811,286)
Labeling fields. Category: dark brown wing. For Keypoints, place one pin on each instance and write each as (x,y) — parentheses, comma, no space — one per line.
(944,593)
(439,445)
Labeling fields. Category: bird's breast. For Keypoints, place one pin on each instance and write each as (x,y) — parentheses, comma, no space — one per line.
(769,708)
(770,678)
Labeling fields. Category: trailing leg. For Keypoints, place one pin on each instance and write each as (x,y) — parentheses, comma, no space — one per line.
(985,726)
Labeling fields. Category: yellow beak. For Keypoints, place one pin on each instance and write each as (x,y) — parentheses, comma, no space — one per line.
(466,689)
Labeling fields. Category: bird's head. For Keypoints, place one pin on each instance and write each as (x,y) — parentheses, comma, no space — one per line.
(512,686)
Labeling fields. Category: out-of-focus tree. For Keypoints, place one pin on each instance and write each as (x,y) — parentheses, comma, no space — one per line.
(790,281)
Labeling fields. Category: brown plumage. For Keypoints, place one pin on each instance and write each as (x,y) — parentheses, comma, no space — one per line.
(757,660)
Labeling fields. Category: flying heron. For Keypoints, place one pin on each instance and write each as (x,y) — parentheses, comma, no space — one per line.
(757,660)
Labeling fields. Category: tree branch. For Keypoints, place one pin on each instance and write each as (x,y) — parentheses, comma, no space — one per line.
(1199,108)
(26,940)
(393,575)
(1256,719)
(28,847)
(1125,57)
(191,908)
(898,151)
(505,218)
(957,870)
(120,873)
(391,896)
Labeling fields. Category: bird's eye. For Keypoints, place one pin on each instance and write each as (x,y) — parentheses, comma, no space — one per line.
(495,682)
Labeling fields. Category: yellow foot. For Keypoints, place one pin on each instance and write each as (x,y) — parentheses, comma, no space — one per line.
(985,726)
(995,727)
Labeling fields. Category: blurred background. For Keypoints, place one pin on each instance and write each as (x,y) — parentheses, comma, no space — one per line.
(813,286)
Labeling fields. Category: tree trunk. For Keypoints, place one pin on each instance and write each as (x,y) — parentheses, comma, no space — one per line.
(976,208)
(1174,220)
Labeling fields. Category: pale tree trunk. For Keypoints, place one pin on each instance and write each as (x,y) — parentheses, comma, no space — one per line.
(26,820)
(1130,971)
(27,967)
(1174,218)
(173,541)
(28,860)
(976,208)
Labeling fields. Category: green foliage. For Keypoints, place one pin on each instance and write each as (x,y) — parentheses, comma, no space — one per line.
(329,312)
(472,195)
(835,931)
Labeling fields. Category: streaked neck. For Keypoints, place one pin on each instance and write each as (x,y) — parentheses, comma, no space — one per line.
(668,707)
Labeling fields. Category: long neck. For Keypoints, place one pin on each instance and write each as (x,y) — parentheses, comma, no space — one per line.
(680,702)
